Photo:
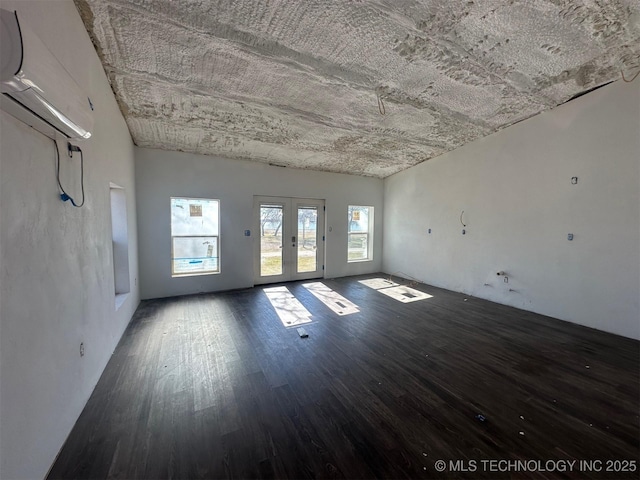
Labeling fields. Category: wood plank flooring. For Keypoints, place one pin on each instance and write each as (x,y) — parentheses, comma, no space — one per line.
(214,386)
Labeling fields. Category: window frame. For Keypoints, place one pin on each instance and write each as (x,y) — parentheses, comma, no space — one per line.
(175,274)
(119,244)
(368,233)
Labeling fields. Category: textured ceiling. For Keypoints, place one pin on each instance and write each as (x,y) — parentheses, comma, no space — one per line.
(305,83)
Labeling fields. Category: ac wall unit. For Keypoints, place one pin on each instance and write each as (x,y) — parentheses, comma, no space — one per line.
(35,87)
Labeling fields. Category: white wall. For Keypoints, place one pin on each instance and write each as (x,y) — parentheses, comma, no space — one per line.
(57,281)
(515,189)
(161,175)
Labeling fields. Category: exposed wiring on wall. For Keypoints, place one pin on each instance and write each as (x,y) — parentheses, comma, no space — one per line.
(461,214)
(381,108)
(64,196)
(404,276)
(629,81)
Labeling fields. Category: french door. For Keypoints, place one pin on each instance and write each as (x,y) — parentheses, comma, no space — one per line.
(289,239)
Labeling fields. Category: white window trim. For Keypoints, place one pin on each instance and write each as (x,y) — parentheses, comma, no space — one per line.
(217,237)
(368,233)
(121,265)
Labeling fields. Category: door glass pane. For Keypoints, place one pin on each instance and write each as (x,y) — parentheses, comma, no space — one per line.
(271,240)
(307,239)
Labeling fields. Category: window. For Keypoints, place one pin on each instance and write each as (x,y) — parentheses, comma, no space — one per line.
(120,243)
(195,235)
(360,234)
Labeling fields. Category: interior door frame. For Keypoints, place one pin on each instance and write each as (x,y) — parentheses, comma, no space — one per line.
(289,228)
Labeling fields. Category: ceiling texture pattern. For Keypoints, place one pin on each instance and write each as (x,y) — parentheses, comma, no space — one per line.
(367,87)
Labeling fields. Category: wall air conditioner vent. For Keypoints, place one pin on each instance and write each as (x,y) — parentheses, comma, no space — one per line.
(35,87)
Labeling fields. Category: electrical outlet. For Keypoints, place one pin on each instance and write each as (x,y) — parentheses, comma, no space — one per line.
(81,349)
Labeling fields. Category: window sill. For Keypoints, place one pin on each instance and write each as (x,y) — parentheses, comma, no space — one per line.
(199,274)
(120,298)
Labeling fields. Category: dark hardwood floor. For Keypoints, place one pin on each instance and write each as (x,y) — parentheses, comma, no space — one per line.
(214,386)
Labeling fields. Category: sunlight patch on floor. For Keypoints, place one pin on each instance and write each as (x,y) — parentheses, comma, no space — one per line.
(288,308)
(331,299)
(398,292)
(405,294)
(378,283)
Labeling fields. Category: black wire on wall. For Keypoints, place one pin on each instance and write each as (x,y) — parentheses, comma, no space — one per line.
(64,196)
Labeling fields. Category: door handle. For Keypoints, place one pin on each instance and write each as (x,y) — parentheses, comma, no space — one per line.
(293,239)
